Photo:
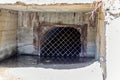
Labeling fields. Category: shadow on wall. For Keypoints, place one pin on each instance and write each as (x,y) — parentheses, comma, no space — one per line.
(34,61)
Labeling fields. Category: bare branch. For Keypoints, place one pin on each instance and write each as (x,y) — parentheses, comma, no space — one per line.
(96,5)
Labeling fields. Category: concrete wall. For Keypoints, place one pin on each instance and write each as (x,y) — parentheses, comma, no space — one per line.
(8,26)
(27,20)
(21,24)
(101,41)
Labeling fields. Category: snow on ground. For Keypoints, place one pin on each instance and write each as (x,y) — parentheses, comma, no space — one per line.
(113,49)
(47,1)
(91,72)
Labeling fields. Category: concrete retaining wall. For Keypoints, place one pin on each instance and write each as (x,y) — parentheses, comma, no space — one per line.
(17,28)
(28,20)
(8,26)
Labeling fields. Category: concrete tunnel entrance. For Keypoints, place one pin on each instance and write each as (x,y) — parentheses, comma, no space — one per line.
(62,44)
(31,36)
(23,36)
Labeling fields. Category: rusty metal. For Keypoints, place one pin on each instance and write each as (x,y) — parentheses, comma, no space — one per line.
(61,41)
(42,28)
(84,40)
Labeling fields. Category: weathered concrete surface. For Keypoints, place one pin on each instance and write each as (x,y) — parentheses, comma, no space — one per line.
(49,7)
(28,20)
(54,14)
(28,30)
(8,26)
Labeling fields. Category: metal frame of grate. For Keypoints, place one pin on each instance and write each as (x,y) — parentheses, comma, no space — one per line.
(62,42)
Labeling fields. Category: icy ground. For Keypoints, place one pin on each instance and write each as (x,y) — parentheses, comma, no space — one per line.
(91,72)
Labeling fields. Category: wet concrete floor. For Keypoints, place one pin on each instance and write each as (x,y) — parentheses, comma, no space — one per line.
(48,62)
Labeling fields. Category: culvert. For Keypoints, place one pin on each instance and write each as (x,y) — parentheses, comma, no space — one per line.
(61,43)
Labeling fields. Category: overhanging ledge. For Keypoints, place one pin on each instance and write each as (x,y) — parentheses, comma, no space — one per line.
(49,7)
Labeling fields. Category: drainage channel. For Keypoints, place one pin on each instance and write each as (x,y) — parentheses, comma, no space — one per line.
(36,61)
(61,44)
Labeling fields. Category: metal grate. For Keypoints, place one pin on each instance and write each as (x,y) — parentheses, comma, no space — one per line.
(61,42)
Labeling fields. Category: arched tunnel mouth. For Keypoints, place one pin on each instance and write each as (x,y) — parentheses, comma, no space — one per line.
(61,45)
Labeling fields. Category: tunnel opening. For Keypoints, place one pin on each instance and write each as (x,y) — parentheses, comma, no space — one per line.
(61,44)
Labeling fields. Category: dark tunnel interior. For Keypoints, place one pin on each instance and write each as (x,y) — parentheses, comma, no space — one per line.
(61,44)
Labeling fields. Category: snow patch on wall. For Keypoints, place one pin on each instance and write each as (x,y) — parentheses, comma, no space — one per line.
(46,1)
